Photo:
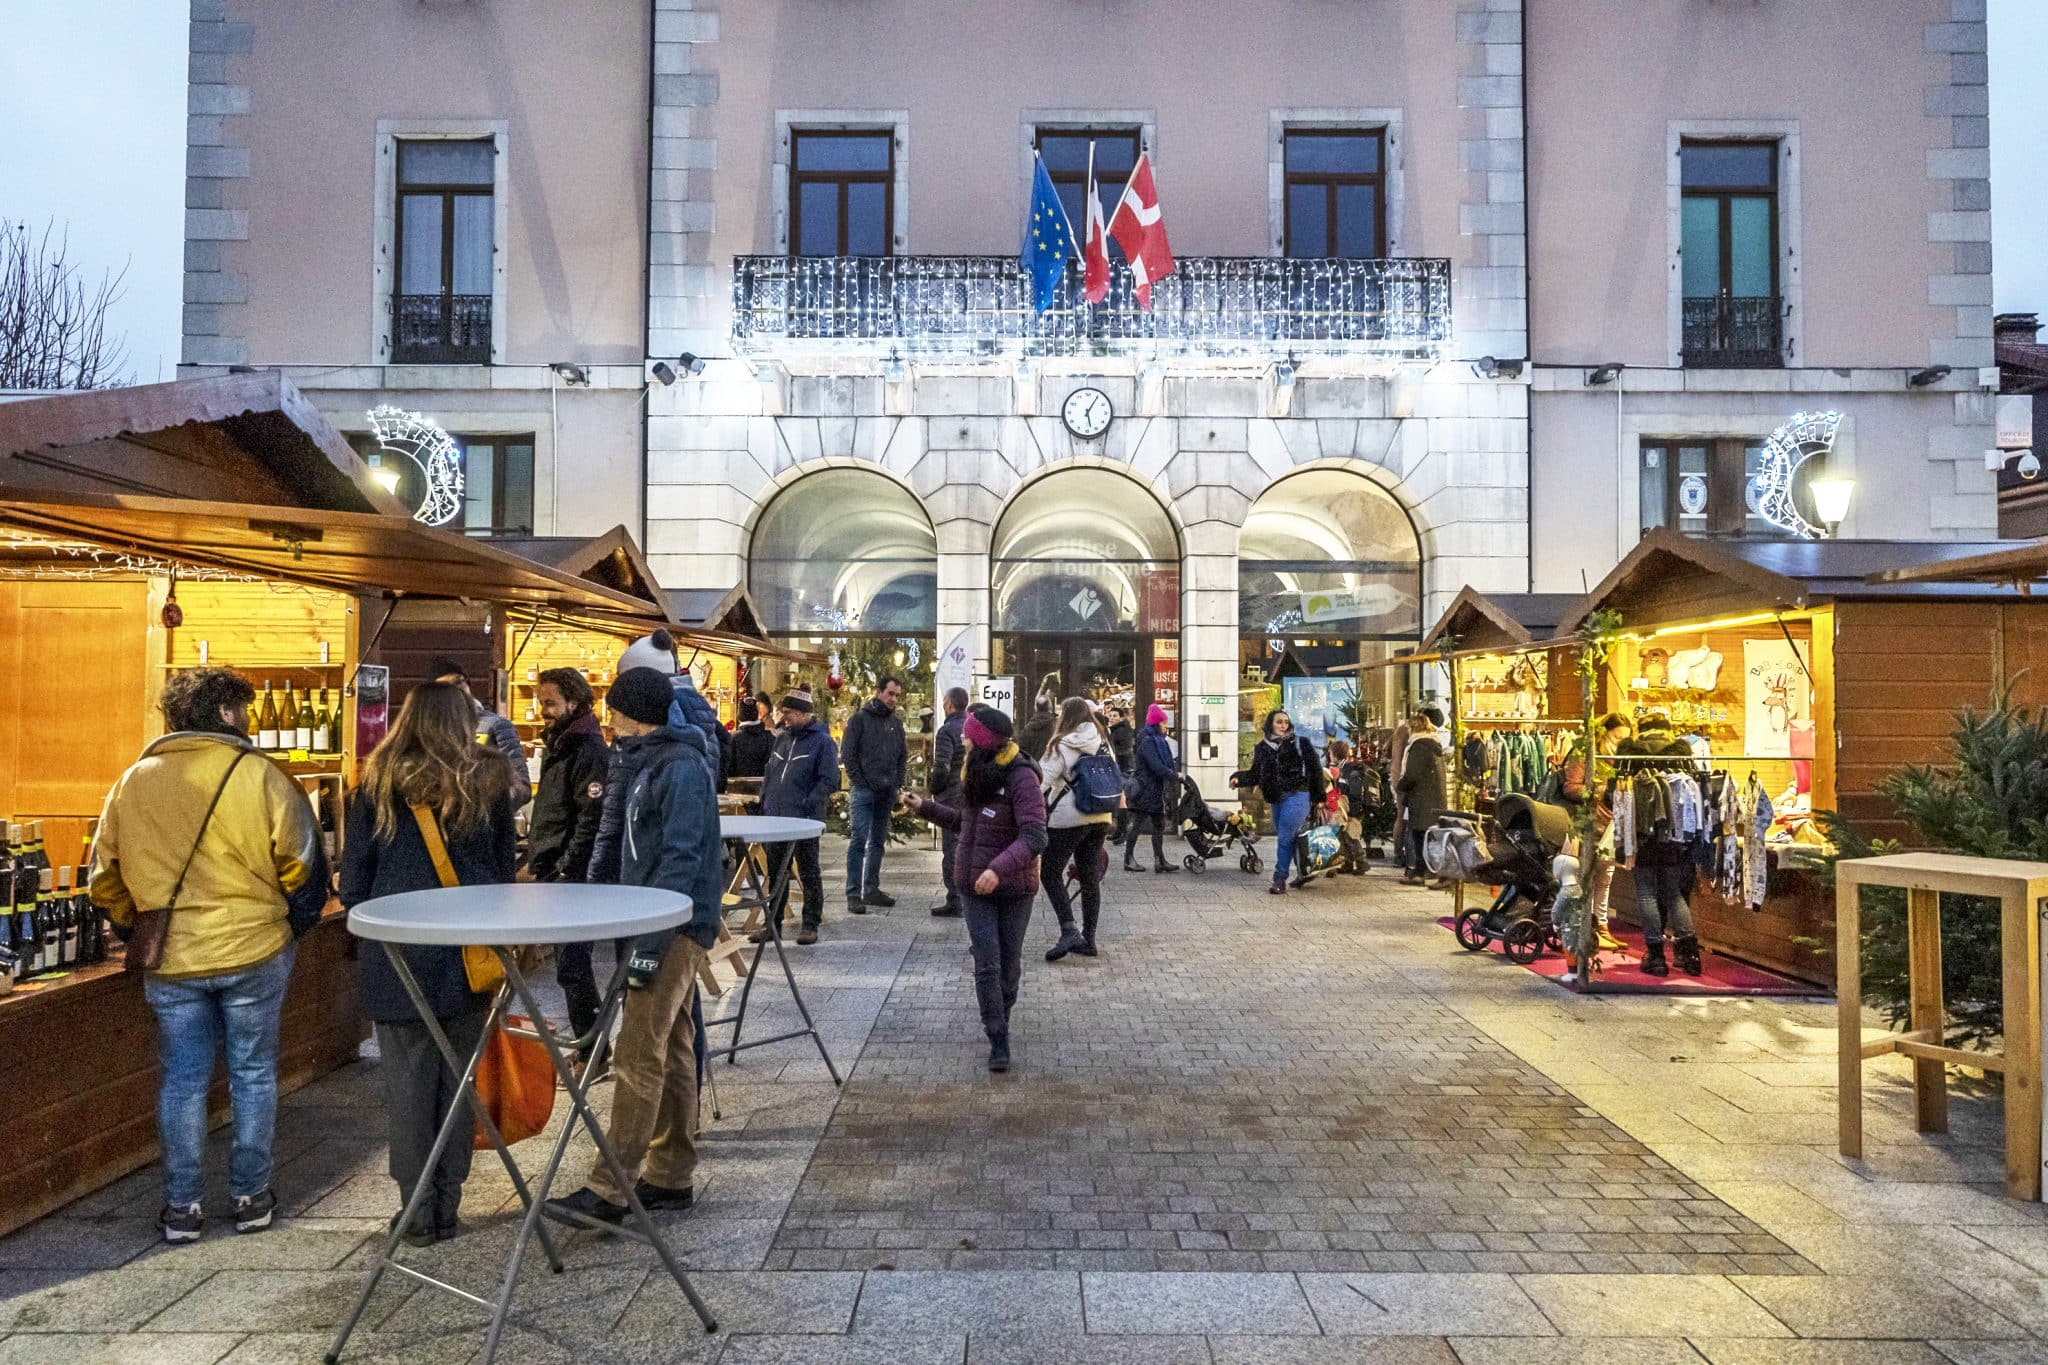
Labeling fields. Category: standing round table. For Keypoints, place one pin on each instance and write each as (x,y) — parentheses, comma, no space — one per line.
(525,913)
(749,832)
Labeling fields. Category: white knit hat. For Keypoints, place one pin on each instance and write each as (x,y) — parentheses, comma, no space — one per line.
(656,651)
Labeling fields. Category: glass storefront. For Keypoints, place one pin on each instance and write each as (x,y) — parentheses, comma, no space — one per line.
(1329,576)
(1084,580)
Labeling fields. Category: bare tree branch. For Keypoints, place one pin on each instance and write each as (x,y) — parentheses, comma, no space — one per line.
(53,321)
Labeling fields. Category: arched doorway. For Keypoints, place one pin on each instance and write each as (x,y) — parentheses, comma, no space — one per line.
(1329,576)
(843,565)
(1084,590)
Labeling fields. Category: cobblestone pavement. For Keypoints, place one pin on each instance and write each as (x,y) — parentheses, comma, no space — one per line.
(1255,1131)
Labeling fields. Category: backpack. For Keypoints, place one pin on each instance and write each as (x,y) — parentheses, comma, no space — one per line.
(1097,783)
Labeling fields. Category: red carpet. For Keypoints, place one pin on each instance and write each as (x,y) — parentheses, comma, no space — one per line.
(1621,972)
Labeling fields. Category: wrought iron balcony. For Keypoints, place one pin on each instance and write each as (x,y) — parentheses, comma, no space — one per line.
(963,306)
(1733,333)
(442,329)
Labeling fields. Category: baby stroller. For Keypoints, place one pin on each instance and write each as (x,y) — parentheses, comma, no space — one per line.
(1211,833)
(1528,835)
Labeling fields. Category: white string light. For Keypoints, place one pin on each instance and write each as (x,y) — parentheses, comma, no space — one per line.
(1807,436)
(73,561)
(420,439)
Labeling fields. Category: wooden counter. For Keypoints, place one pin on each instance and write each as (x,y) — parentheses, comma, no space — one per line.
(78,1089)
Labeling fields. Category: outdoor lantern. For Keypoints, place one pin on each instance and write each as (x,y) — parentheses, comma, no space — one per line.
(1831,499)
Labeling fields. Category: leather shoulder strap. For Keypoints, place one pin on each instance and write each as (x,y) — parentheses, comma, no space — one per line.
(204,820)
(437,848)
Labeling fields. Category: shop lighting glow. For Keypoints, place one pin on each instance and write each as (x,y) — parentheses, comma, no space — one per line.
(1809,435)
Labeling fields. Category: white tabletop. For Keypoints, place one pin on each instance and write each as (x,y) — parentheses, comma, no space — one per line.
(768,829)
(520,912)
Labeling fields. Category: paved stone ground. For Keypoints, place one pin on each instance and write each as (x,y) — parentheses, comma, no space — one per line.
(1254,1131)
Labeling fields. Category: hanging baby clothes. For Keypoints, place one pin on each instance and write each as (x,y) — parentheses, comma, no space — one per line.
(1755,851)
(1622,828)
(1732,817)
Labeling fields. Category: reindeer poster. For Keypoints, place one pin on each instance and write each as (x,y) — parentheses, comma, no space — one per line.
(1776,695)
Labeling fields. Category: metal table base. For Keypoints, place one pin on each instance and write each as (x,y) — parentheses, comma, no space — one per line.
(457,1127)
(752,894)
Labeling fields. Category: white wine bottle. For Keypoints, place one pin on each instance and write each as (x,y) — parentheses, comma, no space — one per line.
(303,722)
(323,727)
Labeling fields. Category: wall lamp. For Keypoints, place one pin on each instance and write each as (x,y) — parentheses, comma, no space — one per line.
(668,373)
(575,376)
(1491,367)
(1605,374)
(1933,374)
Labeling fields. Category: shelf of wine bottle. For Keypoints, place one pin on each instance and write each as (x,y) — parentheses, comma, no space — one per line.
(51,927)
(298,724)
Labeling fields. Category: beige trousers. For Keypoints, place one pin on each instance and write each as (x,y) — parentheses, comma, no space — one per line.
(654,1080)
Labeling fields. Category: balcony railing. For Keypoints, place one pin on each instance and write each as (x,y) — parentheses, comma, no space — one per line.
(981,305)
(442,329)
(1734,333)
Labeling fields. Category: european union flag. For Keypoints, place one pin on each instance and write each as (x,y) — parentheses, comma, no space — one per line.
(1048,239)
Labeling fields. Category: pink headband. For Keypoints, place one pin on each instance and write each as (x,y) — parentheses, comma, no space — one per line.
(979,735)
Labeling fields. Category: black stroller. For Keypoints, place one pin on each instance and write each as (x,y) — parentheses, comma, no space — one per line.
(1528,835)
(1211,832)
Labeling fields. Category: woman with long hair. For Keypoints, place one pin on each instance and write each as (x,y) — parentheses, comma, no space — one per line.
(1072,834)
(430,795)
(1288,773)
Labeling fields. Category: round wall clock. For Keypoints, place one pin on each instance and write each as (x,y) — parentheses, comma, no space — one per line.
(1087,413)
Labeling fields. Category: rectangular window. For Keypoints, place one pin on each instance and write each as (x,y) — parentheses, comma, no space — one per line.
(841,192)
(497,480)
(1728,247)
(1703,486)
(1335,192)
(445,252)
(1065,153)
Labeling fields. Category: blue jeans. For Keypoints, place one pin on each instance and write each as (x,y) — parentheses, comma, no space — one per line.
(1289,815)
(867,833)
(194,1016)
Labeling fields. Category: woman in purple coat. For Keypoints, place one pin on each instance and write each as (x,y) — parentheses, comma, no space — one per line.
(1000,820)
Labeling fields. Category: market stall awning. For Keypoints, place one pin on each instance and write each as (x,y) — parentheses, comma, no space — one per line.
(2015,566)
(612,560)
(1497,621)
(730,610)
(349,552)
(242,438)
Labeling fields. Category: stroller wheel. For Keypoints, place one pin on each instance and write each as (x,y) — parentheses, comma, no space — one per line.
(1551,942)
(1256,861)
(1523,942)
(1194,863)
(1247,863)
(1472,930)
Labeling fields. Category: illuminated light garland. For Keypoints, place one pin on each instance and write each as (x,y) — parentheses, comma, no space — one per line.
(77,562)
(963,307)
(1807,436)
(420,439)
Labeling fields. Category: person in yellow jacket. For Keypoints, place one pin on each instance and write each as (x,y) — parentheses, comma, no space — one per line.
(253,877)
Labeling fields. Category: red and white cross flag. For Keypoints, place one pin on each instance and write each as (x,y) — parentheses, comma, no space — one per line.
(1140,231)
(1094,244)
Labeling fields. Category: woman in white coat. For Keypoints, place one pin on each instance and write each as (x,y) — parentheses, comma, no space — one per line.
(1071,834)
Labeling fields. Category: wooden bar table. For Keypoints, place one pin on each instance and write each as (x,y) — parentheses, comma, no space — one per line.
(2020,889)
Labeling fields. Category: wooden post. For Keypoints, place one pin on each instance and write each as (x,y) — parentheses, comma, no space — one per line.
(2021,961)
(1849,1015)
(1925,1009)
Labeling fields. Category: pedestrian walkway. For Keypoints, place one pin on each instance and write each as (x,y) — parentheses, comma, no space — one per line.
(1254,1130)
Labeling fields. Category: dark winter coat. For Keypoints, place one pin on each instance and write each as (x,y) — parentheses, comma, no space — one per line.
(1006,834)
(873,750)
(669,836)
(1281,768)
(752,742)
(1421,784)
(1123,742)
(568,802)
(803,772)
(949,751)
(1156,774)
(1035,733)
(690,710)
(502,735)
(372,867)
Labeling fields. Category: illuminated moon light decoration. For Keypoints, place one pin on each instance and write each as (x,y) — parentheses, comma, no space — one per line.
(1807,436)
(420,439)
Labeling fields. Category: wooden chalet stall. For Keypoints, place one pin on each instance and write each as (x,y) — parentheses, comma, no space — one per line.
(1514,693)
(287,569)
(1810,669)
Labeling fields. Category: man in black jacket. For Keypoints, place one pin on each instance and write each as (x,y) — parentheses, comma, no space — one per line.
(876,760)
(803,772)
(568,804)
(1123,743)
(1036,732)
(949,747)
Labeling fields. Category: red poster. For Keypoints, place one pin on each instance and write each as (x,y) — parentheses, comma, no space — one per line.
(1159,600)
(1166,672)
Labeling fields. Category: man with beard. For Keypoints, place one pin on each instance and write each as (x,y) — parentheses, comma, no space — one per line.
(568,804)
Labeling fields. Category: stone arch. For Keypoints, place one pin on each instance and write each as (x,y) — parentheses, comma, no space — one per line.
(1307,533)
(863,559)
(1106,541)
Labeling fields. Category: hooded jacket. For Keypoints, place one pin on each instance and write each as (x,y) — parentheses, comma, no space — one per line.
(803,772)
(1034,732)
(691,711)
(568,802)
(259,860)
(1156,771)
(1422,780)
(752,742)
(372,867)
(873,749)
(1277,777)
(1123,742)
(1005,835)
(502,735)
(1056,772)
(669,830)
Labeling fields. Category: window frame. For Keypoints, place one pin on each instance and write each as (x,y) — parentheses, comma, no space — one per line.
(1727,513)
(1330,181)
(1724,198)
(1786,223)
(1098,132)
(364,442)
(447,193)
(384,273)
(799,178)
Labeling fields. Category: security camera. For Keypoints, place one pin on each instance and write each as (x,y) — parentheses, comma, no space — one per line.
(2029,466)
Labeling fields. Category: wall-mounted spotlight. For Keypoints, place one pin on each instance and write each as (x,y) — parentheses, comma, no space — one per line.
(1492,367)
(666,373)
(1605,374)
(575,376)
(1933,374)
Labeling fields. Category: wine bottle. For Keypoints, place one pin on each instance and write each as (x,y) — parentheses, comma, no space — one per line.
(92,943)
(323,727)
(22,899)
(303,722)
(45,939)
(7,852)
(266,722)
(64,956)
(288,717)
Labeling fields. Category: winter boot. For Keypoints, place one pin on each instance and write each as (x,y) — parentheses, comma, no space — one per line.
(1653,961)
(1070,939)
(1131,858)
(999,1051)
(1686,949)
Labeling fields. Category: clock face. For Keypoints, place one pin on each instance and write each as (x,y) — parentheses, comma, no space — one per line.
(1087,413)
